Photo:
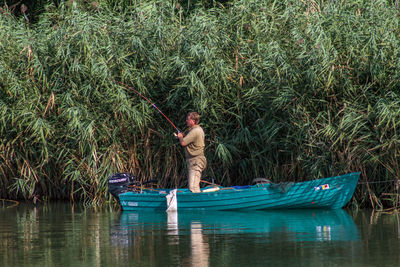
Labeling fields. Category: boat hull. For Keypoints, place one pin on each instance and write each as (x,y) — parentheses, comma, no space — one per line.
(327,193)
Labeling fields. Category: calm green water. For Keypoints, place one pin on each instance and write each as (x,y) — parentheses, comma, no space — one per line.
(65,235)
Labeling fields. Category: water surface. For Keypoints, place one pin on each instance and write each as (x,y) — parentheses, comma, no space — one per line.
(64,235)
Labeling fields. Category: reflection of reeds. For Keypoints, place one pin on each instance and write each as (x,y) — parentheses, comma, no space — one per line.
(9,203)
(285,91)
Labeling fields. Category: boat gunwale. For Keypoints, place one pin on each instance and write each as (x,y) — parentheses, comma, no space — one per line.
(231,189)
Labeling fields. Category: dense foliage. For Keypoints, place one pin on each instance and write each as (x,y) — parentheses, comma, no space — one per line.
(287,90)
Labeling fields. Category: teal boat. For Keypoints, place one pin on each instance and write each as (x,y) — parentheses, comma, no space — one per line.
(327,193)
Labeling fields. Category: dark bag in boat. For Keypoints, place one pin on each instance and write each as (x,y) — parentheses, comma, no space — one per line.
(120,182)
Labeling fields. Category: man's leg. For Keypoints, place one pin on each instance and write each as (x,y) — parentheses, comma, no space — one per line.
(194,180)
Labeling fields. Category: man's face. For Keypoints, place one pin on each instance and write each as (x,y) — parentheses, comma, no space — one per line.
(189,122)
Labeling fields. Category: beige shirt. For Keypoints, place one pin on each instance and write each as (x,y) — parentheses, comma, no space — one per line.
(194,141)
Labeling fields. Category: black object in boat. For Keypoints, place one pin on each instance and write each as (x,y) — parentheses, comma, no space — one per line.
(120,182)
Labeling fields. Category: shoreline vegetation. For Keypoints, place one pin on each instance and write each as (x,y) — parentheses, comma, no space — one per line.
(287,90)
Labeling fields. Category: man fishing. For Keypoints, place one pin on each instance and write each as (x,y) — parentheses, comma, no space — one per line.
(193,142)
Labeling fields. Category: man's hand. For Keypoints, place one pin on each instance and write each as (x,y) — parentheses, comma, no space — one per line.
(180,137)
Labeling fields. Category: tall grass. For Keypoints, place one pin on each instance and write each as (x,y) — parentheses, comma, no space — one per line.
(287,90)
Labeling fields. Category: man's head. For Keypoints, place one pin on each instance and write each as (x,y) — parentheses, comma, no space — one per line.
(192,119)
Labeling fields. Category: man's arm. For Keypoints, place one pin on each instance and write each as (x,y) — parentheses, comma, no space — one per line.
(180,137)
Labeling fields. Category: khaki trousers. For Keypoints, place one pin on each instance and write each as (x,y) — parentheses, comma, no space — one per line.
(195,167)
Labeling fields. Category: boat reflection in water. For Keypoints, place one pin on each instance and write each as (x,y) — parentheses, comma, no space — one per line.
(301,225)
(198,230)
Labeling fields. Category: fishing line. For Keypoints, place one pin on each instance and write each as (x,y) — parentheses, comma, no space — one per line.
(151,103)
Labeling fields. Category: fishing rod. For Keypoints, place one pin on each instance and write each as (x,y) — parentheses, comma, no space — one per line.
(151,103)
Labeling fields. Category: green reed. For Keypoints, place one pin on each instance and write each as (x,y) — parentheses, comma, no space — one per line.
(287,90)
